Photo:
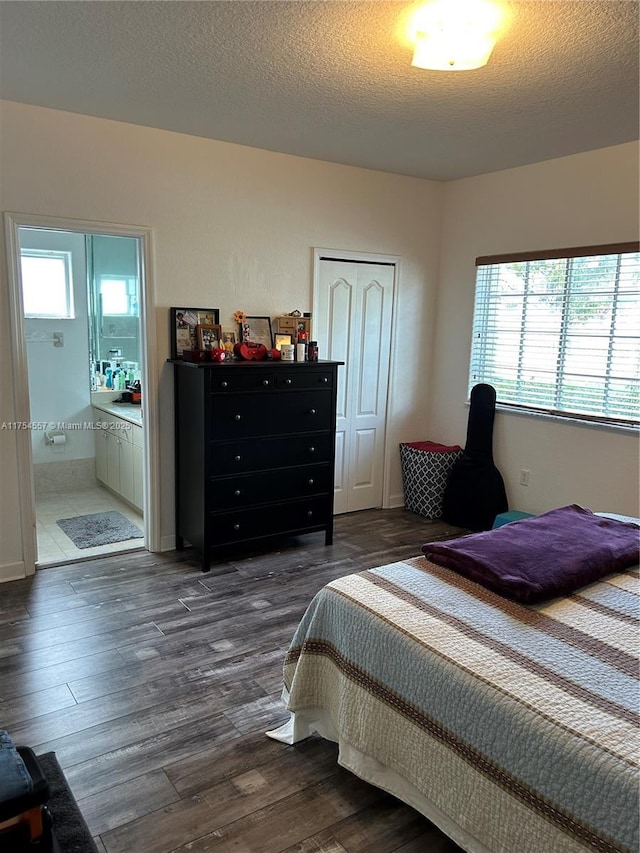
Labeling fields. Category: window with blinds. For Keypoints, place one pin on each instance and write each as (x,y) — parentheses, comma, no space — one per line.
(559,332)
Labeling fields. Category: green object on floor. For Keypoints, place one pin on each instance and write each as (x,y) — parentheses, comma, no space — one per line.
(508,517)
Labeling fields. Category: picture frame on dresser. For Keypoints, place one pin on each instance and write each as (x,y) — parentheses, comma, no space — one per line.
(279,340)
(257,330)
(209,336)
(182,327)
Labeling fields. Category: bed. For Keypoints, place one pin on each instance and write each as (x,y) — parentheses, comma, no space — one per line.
(513,727)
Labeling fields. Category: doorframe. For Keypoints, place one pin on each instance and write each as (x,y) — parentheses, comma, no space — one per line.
(151,455)
(320,254)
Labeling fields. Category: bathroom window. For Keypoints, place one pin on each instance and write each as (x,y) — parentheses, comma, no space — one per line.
(47,291)
(119,295)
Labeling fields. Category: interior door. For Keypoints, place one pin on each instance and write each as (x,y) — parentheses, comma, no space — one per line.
(353,308)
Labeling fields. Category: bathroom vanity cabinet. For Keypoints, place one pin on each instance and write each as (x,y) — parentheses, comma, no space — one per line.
(119,455)
(255,447)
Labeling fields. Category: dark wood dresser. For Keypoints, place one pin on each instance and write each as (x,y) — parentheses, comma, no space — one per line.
(255,447)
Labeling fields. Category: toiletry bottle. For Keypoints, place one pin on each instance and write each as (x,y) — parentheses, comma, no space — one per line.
(109,380)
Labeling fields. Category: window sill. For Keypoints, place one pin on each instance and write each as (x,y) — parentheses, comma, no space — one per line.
(565,419)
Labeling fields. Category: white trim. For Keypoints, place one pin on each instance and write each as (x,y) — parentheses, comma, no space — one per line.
(12,572)
(523,412)
(396,501)
(168,542)
(13,221)
(395,261)
(26,489)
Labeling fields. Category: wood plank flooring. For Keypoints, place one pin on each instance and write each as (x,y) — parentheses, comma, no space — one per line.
(154,685)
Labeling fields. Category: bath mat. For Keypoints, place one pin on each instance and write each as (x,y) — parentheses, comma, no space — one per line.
(99,528)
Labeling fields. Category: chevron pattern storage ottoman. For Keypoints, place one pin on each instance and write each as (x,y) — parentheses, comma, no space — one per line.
(425,469)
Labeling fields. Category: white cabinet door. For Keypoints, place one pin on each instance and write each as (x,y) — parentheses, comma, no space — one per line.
(119,459)
(138,487)
(126,469)
(113,461)
(101,455)
(352,315)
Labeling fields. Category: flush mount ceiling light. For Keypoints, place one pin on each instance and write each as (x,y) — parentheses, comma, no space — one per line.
(455,35)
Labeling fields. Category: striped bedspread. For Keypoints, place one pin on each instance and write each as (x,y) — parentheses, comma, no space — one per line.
(518,722)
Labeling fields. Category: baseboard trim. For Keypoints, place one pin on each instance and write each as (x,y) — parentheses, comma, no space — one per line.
(12,572)
(168,543)
(396,501)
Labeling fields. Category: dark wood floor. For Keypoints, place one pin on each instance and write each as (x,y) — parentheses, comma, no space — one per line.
(154,685)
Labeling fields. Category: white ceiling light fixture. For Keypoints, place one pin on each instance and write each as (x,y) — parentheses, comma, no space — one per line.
(456,35)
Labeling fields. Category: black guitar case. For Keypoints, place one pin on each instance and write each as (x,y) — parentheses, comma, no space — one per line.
(475,491)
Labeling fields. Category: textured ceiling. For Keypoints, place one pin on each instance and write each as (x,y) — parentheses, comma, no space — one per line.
(333,80)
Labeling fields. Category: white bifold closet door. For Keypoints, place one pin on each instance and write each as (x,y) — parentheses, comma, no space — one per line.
(352,316)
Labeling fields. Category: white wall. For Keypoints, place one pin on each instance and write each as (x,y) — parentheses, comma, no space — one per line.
(59,384)
(233,228)
(581,200)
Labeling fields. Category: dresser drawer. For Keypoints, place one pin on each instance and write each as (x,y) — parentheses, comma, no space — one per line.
(242,379)
(241,525)
(304,378)
(246,415)
(226,493)
(240,457)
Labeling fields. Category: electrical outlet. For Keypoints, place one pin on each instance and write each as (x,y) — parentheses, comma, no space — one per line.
(524,477)
(58,339)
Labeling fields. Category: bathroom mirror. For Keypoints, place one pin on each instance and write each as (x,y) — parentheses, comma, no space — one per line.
(113,268)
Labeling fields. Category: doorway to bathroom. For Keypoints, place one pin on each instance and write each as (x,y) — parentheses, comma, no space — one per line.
(78,321)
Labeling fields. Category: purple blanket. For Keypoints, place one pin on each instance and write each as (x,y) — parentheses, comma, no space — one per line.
(543,556)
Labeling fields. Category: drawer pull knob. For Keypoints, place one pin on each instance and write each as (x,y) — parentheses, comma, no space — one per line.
(309,513)
(312,449)
(238,458)
(224,384)
(265,381)
(236,527)
(324,380)
(238,417)
(287,382)
(310,482)
(237,493)
(312,411)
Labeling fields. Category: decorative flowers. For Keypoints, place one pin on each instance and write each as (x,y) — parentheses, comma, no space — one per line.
(240,317)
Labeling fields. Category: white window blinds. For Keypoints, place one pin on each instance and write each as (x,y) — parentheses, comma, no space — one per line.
(559,332)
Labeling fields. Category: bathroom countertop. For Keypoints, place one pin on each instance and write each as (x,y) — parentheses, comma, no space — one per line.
(127,411)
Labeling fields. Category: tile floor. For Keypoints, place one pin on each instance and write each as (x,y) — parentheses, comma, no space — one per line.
(54,546)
